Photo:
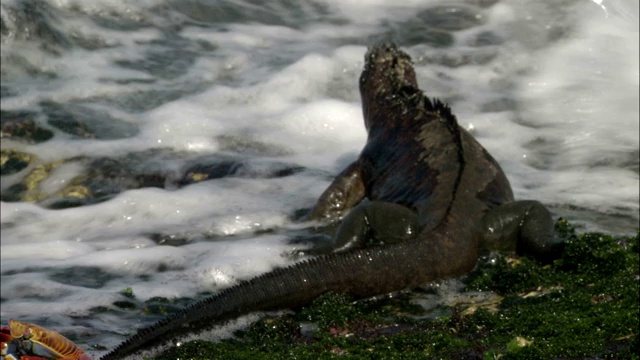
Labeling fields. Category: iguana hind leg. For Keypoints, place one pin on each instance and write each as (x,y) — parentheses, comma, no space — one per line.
(370,223)
(525,226)
(376,223)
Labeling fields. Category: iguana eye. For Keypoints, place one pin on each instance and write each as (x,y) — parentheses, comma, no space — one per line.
(28,333)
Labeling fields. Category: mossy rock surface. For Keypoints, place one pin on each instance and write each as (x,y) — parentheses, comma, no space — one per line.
(28,189)
(97,179)
(13,161)
(584,306)
(23,126)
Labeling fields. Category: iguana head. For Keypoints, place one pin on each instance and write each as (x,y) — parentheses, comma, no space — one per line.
(387,76)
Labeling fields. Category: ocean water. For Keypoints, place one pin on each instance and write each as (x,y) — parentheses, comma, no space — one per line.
(140,98)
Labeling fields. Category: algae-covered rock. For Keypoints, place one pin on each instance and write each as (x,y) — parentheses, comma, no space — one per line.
(217,167)
(72,195)
(585,305)
(83,180)
(92,180)
(28,189)
(13,161)
(85,122)
(23,126)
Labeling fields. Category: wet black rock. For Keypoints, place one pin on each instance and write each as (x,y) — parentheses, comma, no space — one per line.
(101,179)
(452,17)
(85,122)
(22,126)
(85,276)
(13,161)
(217,167)
(93,180)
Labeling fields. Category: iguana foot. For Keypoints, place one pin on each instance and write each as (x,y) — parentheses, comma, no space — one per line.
(525,225)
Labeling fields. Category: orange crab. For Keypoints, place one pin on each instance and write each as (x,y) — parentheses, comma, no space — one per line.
(26,341)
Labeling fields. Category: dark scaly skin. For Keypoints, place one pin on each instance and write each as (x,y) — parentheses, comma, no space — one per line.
(434,197)
(421,173)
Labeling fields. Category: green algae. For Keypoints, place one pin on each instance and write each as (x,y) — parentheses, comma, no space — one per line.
(128,293)
(584,305)
(13,161)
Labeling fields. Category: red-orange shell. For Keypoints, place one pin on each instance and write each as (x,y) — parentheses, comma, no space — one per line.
(52,342)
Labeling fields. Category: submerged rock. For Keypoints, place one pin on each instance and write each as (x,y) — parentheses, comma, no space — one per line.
(85,122)
(221,167)
(22,126)
(13,161)
(28,189)
(93,180)
(84,181)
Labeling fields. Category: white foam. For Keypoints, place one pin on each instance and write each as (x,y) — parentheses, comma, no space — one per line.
(375,11)
(585,96)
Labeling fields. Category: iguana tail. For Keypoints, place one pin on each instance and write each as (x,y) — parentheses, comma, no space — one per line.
(360,273)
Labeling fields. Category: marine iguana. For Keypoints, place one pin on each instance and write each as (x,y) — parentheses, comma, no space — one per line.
(420,201)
